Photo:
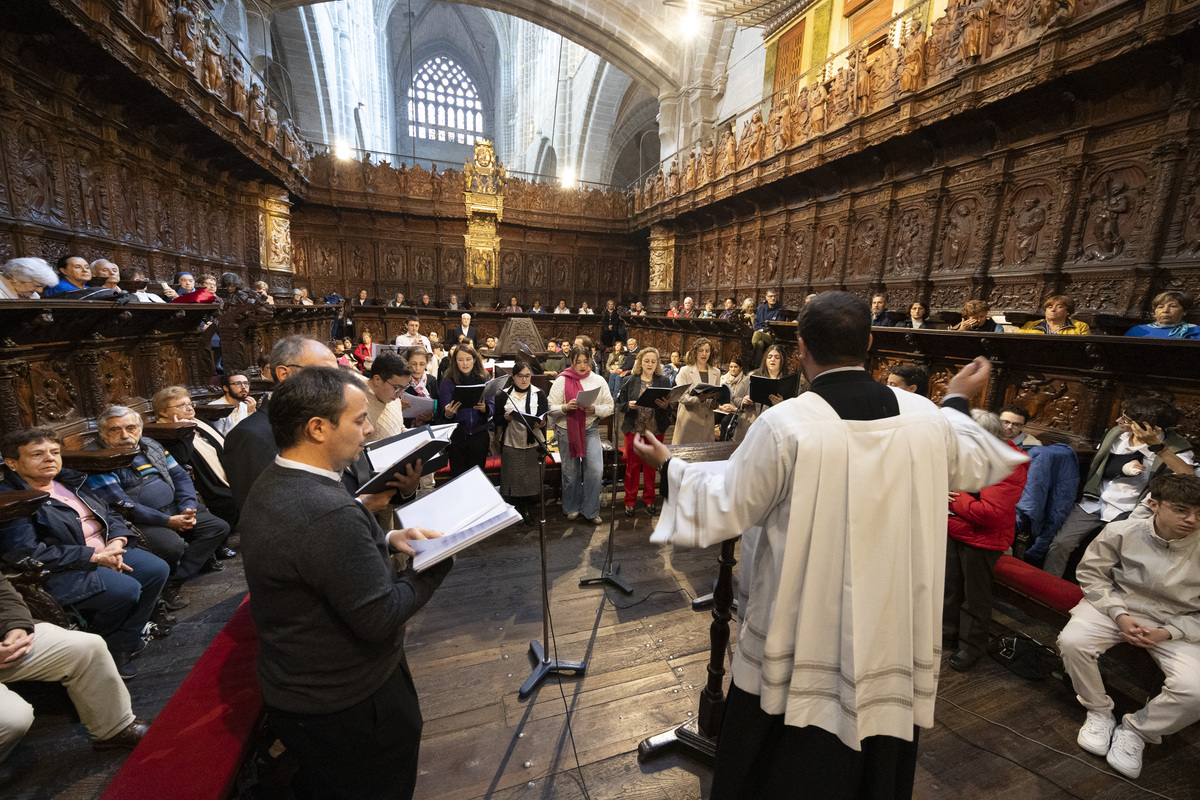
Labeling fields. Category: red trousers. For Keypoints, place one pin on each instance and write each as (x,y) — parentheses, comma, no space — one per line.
(635,468)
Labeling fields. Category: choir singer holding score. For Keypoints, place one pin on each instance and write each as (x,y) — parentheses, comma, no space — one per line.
(840,498)
(328,602)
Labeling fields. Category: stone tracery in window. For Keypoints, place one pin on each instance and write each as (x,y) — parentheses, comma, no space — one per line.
(443,103)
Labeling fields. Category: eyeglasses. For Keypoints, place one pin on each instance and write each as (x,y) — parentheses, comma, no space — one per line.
(399,388)
(1008,424)
(525,376)
(239,383)
(184,404)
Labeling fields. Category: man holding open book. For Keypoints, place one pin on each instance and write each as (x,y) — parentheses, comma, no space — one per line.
(329,605)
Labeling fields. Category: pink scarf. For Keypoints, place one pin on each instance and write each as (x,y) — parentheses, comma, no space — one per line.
(577,419)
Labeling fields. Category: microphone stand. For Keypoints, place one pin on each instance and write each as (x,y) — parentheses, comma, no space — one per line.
(545,665)
(607,573)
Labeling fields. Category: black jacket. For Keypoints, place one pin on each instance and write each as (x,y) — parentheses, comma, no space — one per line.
(54,536)
(249,449)
(217,496)
(662,416)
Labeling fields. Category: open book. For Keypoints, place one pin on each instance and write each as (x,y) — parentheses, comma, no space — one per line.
(396,453)
(762,387)
(418,406)
(697,389)
(466,510)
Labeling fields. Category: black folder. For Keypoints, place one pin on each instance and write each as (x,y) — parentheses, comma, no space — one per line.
(761,387)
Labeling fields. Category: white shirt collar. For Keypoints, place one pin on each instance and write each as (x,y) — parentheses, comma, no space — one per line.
(843,369)
(287,463)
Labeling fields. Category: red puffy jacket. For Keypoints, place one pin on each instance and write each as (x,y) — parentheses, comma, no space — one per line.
(988,521)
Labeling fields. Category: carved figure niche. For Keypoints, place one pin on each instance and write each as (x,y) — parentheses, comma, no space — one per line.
(1112,212)
(1025,227)
(959,234)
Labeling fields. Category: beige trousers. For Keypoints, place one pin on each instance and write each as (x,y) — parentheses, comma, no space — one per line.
(82,663)
(1090,633)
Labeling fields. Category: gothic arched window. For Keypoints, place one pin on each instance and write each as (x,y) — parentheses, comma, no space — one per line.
(443,103)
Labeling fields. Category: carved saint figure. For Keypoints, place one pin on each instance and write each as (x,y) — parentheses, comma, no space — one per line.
(237,89)
(673,179)
(745,146)
(973,32)
(864,244)
(91,187)
(729,153)
(780,124)
(817,97)
(537,271)
(1107,224)
(255,115)
(772,259)
(957,238)
(861,98)
(829,255)
(795,263)
(158,16)
(906,241)
(37,173)
(1054,13)
(707,168)
(799,109)
(1029,227)
(185,33)
(271,128)
(212,75)
(689,171)
(914,61)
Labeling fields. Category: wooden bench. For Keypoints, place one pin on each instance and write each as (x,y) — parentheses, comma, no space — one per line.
(198,743)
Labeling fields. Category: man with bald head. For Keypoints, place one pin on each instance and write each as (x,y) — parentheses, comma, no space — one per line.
(103,268)
(249,446)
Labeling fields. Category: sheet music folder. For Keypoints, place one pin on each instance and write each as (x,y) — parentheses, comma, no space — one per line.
(396,453)
(762,387)
(467,509)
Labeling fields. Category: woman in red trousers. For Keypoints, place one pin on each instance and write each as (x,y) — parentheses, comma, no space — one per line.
(651,419)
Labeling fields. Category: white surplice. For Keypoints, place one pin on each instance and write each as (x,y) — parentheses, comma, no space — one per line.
(843,555)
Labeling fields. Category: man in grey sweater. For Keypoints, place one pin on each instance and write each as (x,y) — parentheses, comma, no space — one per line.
(328,603)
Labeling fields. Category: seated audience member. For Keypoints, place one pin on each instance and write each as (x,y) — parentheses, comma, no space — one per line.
(202,452)
(730,310)
(73,274)
(297,297)
(1142,445)
(329,603)
(209,282)
(1169,308)
(453,305)
(250,447)
(77,660)
(584,308)
(652,419)
(536,308)
(512,307)
(762,338)
(339,353)
(199,293)
(638,309)
(365,352)
(236,393)
(490,344)
(980,528)
(910,378)
(264,292)
(1140,580)
(880,316)
(688,309)
(708,312)
(554,361)
(147,296)
(469,442)
(578,435)
(412,335)
(425,302)
(305,300)
(185,283)
(519,458)
(1048,497)
(975,318)
(1014,418)
(612,367)
(672,367)
(673,309)
(83,544)
(103,268)
(343,327)
(918,313)
(25,278)
(1059,309)
(362,299)
(397,301)
(179,529)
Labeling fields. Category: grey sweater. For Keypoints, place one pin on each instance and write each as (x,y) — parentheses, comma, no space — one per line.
(329,606)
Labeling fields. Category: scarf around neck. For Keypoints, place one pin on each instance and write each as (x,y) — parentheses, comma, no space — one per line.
(1173,331)
(577,419)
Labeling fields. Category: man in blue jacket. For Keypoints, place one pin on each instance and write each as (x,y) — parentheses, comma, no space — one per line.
(768,312)
(84,545)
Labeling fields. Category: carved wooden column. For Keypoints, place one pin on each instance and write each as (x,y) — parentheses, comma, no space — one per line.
(10,415)
(995,194)
(1166,159)
(662,268)
(91,385)
(153,374)
(1068,203)
(198,359)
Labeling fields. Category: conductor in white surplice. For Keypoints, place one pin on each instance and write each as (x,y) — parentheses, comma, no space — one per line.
(840,498)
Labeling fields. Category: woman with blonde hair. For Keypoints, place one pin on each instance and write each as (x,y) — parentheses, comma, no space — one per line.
(652,420)
(1057,321)
(975,318)
(695,419)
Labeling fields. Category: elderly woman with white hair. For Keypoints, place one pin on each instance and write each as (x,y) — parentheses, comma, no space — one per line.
(25,278)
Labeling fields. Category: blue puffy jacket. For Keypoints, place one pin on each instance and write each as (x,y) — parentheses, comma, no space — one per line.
(1050,492)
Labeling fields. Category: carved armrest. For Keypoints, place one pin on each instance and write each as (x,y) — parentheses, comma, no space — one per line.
(125,509)
(27,577)
(213,413)
(97,462)
(24,503)
(165,432)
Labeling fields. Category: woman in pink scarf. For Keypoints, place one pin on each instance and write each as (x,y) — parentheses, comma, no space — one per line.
(578,436)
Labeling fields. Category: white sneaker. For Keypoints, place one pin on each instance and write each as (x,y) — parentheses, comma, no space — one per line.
(596,520)
(1096,733)
(1125,754)
(573,515)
